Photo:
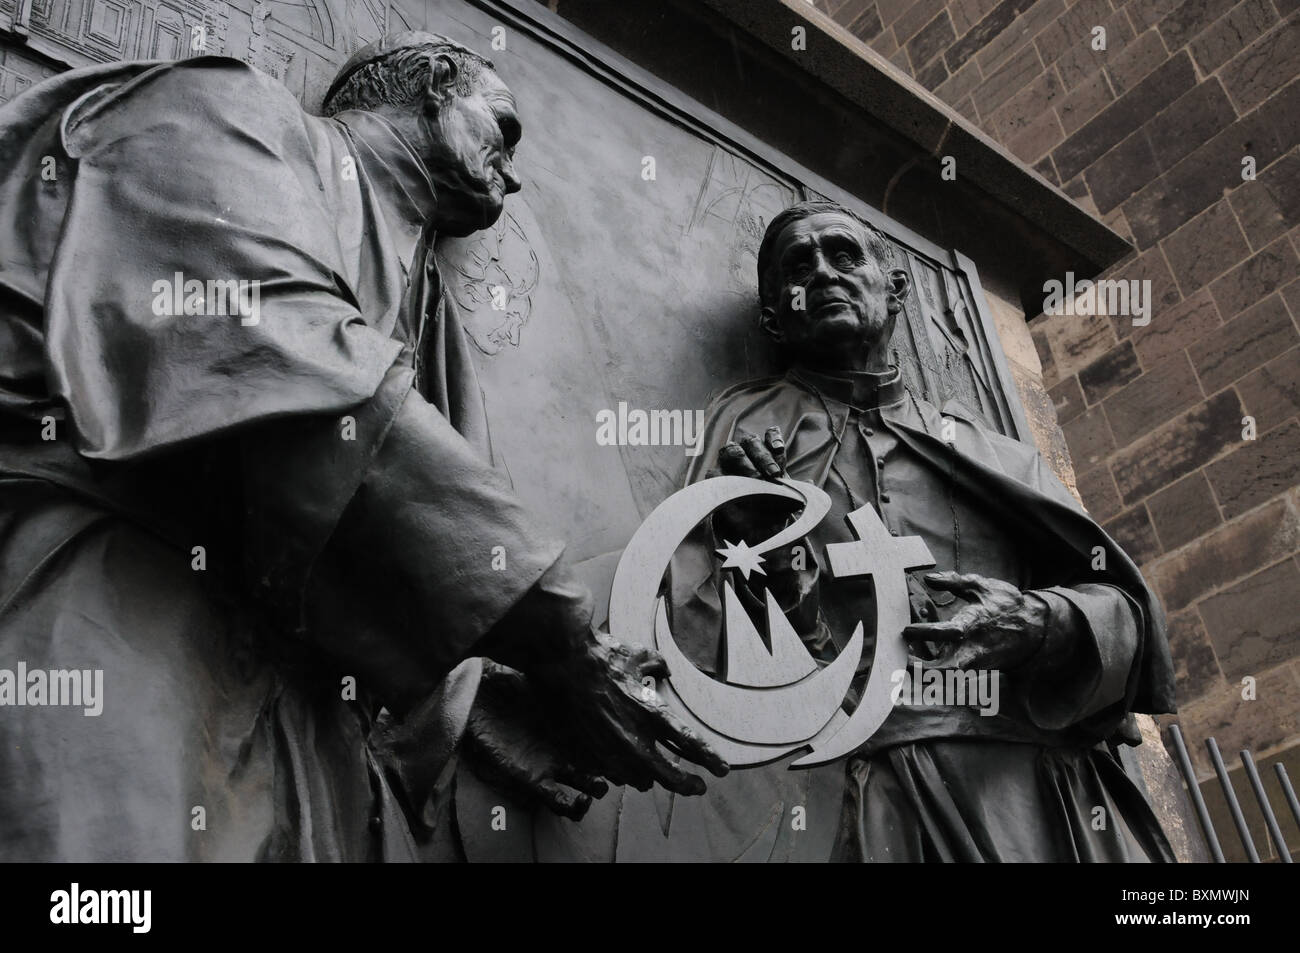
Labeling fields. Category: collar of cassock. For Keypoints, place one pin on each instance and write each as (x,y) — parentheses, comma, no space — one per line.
(865,390)
(399,176)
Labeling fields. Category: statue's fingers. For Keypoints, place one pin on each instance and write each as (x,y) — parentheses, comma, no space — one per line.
(734,461)
(950,631)
(589,784)
(959,658)
(639,779)
(759,455)
(775,442)
(967,655)
(949,581)
(494,765)
(623,759)
(958,582)
(673,778)
(678,736)
(652,665)
(562,801)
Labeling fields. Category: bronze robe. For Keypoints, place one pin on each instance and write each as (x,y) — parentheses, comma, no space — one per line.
(935,783)
(943,782)
(330,458)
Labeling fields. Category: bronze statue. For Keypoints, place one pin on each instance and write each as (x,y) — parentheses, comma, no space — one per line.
(1029,592)
(247,476)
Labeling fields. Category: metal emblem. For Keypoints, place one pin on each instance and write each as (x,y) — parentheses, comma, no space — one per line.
(772,702)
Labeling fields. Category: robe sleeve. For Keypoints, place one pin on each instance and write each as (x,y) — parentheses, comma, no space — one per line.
(200,171)
(1086,660)
(1060,523)
(370,526)
(433,560)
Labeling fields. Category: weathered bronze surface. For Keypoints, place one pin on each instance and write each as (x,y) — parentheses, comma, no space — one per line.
(249,483)
(598,290)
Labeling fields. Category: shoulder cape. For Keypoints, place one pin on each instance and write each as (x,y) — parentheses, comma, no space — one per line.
(202,169)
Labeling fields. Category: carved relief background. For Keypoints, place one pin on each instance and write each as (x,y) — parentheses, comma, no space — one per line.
(598,285)
(300,42)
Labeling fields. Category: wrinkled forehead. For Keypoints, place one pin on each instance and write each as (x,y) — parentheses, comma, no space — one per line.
(501,102)
(492,87)
(812,229)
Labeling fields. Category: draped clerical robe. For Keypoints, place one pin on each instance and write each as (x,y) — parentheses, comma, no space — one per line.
(269,522)
(1034,781)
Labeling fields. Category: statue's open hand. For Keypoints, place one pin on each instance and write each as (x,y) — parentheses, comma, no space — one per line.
(506,745)
(604,709)
(1001,628)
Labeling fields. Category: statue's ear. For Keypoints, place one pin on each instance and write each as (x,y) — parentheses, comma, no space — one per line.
(899,285)
(770,326)
(443,73)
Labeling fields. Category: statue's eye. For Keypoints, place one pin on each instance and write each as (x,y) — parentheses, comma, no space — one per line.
(799,270)
(844,259)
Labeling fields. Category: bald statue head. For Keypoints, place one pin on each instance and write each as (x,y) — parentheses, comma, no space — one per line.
(828,292)
(452,107)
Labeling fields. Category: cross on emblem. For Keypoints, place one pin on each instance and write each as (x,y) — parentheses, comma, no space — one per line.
(876,550)
(772,700)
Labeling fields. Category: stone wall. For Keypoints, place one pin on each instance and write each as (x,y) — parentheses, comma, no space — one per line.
(1155,134)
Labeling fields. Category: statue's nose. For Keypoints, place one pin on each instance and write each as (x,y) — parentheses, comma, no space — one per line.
(822,269)
(509,177)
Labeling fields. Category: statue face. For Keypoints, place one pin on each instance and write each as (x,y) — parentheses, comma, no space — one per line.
(848,301)
(471,144)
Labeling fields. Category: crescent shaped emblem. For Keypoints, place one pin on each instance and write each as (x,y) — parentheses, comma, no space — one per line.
(774,700)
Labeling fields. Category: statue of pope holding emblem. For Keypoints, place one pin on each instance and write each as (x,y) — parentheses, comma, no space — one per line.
(838,536)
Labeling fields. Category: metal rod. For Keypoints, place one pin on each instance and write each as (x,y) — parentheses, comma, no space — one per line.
(1288,791)
(1234,808)
(1194,790)
(1248,761)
